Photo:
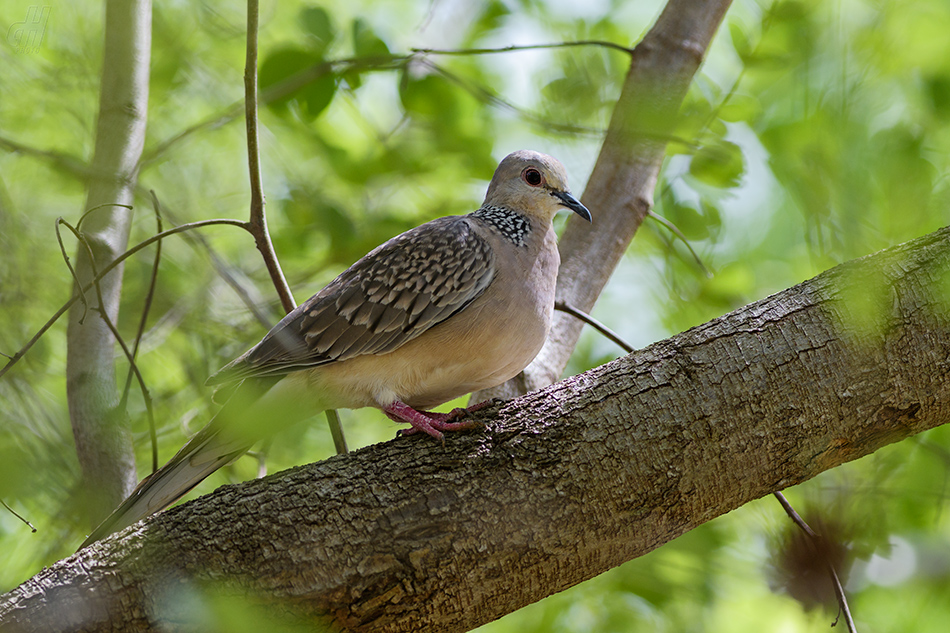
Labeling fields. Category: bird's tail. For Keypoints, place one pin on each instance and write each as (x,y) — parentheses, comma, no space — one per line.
(230,434)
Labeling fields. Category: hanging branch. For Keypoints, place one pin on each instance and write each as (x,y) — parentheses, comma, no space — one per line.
(675,231)
(133,367)
(149,295)
(816,539)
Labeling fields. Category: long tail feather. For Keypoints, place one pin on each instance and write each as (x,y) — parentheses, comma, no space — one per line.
(230,434)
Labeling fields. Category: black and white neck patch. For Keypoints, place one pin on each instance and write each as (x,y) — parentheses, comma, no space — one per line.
(511,224)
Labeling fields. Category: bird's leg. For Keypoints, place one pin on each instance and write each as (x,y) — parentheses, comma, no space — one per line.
(427,421)
(458,412)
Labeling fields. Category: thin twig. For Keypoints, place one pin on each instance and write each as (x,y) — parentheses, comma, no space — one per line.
(336,431)
(258,219)
(673,228)
(528,47)
(487,96)
(105,317)
(223,269)
(118,260)
(146,396)
(597,325)
(72,271)
(79,236)
(14,513)
(149,295)
(839,590)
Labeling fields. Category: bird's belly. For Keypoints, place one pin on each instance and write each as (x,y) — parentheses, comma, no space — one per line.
(441,366)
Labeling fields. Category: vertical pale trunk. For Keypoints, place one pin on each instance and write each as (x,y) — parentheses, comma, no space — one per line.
(103,440)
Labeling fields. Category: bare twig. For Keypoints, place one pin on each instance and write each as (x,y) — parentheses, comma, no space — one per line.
(675,230)
(76,231)
(150,294)
(223,269)
(14,513)
(258,220)
(69,264)
(133,367)
(336,431)
(594,323)
(528,47)
(839,590)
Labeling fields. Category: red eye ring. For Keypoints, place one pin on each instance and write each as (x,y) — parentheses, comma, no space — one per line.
(532,177)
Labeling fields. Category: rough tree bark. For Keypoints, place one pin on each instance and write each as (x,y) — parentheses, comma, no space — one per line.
(620,189)
(103,440)
(561,485)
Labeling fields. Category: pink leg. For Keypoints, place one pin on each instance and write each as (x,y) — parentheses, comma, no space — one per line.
(457,412)
(428,421)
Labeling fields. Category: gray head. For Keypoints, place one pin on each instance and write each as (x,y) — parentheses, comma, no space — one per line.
(534,184)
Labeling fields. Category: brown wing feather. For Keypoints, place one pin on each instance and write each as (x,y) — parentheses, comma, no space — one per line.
(392,295)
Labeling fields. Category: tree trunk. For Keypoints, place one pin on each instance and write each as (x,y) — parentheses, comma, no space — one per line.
(561,485)
(100,428)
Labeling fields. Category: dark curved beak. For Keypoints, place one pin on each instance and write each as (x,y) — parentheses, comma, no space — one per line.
(572,203)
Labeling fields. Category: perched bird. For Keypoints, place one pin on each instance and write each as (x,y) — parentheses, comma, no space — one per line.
(458,304)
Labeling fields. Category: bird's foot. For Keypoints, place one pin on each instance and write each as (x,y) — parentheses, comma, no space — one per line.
(431,422)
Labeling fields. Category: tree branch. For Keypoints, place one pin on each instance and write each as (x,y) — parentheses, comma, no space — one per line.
(563,483)
(258,220)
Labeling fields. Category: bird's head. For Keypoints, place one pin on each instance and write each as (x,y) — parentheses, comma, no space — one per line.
(535,184)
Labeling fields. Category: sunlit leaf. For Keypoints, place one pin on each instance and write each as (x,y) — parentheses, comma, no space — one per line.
(365,41)
(313,94)
(318,25)
(719,165)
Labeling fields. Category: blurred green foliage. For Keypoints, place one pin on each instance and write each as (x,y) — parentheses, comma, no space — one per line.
(816,132)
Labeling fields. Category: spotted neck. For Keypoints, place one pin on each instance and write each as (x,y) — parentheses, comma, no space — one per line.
(512,225)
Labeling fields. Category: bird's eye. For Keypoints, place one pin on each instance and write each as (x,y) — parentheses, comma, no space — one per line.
(532,176)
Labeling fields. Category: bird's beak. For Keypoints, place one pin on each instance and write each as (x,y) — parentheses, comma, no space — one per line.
(572,203)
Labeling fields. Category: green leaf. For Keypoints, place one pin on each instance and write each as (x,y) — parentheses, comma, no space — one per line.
(313,96)
(740,41)
(365,44)
(938,94)
(428,97)
(318,94)
(719,165)
(688,220)
(741,108)
(317,25)
(365,41)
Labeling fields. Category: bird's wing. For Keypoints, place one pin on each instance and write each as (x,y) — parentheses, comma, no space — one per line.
(389,297)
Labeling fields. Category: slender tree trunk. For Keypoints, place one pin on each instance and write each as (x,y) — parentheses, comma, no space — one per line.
(100,428)
(562,485)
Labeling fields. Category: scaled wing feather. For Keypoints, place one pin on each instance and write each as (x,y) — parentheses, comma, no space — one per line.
(401,289)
